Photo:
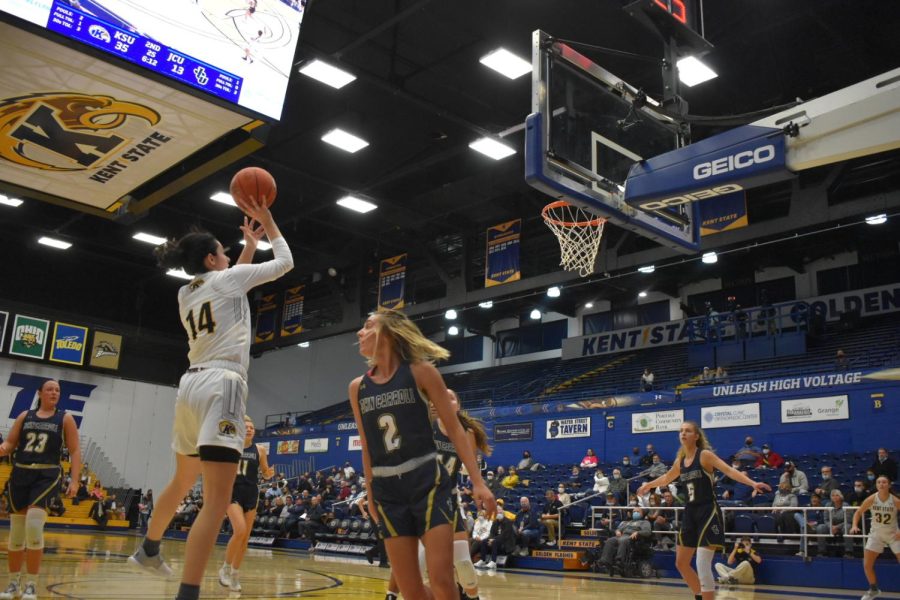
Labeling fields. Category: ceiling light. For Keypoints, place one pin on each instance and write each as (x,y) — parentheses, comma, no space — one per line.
(535,314)
(876,219)
(303,344)
(150,239)
(491,147)
(327,74)
(450,314)
(14,202)
(454,330)
(710,258)
(54,243)
(648,269)
(224,198)
(589,305)
(345,141)
(642,294)
(356,204)
(506,63)
(692,71)
(179,273)
(486,304)
(553,292)
(260,245)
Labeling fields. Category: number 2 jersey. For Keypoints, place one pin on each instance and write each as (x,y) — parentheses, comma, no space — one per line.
(41,440)
(395,419)
(215,313)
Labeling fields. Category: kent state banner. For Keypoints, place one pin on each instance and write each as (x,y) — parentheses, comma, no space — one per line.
(502,253)
(723,213)
(392,282)
(265,318)
(292,318)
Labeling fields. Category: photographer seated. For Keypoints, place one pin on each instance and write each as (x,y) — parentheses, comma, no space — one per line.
(627,533)
(742,563)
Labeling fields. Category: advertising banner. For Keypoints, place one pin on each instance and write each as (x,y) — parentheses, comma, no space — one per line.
(735,415)
(827,408)
(653,422)
(513,432)
(559,429)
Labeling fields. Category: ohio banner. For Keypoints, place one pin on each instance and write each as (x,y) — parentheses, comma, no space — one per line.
(265,318)
(502,253)
(106,350)
(292,317)
(29,337)
(392,282)
(69,344)
(723,213)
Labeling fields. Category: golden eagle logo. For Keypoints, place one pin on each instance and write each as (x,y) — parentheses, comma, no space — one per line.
(57,131)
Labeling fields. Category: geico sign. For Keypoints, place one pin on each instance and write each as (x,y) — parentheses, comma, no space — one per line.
(693,197)
(741,160)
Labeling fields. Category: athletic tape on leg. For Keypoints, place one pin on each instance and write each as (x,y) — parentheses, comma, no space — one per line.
(16,533)
(34,528)
(704,569)
(465,570)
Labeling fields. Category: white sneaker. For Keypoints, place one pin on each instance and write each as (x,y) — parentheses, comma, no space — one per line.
(871,594)
(480,564)
(551,543)
(225,576)
(29,593)
(235,582)
(153,564)
(492,566)
(12,591)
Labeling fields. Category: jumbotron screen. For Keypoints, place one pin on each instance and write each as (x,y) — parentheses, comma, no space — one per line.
(238,50)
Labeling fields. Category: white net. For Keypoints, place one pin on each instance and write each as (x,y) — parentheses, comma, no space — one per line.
(578,232)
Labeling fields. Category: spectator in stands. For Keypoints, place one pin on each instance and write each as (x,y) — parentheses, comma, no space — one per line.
(528,526)
(329,494)
(748,454)
(526,463)
(511,516)
(720,376)
(647,380)
(349,472)
(840,361)
(828,484)
(145,509)
(784,518)
(769,459)
(627,533)
(501,540)
(99,513)
(884,465)
(494,484)
(796,478)
(660,521)
(601,482)
(345,491)
(814,517)
(551,517)
(742,563)
(313,523)
(562,495)
(626,467)
(97,491)
(295,513)
(590,460)
(480,533)
(618,486)
(511,481)
(610,518)
(274,491)
(575,478)
(647,459)
(870,481)
(707,376)
(304,484)
(735,490)
(840,525)
(859,493)
(657,467)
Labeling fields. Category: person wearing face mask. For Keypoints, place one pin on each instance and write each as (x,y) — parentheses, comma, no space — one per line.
(769,459)
(829,483)
(493,483)
(601,482)
(858,495)
(748,454)
(480,532)
(884,465)
(796,479)
(526,463)
(628,532)
(501,540)
(563,495)
(647,459)
(626,467)
(784,518)
(618,486)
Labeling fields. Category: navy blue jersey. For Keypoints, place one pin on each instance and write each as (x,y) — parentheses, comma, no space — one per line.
(395,419)
(248,467)
(446,451)
(41,440)
(698,483)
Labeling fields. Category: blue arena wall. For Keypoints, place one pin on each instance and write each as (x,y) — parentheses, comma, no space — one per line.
(873,408)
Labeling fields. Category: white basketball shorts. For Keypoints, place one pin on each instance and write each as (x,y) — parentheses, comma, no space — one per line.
(209,411)
(879,538)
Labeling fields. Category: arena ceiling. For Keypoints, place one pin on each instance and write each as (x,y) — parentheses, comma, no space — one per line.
(420,98)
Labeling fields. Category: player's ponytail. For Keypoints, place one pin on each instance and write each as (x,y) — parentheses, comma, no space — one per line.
(477,428)
(408,340)
(188,253)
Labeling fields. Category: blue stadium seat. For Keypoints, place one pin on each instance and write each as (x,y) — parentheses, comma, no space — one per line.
(743,523)
(765,524)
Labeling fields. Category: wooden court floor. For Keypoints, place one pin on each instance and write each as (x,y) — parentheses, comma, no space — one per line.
(92,566)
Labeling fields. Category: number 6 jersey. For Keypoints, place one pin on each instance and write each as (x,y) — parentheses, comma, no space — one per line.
(41,440)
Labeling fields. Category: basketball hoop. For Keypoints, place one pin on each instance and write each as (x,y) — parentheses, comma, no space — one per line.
(578,232)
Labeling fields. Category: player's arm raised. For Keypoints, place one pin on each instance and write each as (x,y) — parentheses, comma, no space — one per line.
(710,461)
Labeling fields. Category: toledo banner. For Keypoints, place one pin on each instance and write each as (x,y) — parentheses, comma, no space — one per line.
(724,213)
(106,350)
(502,254)
(265,319)
(292,317)
(69,344)
(29,337)
(392,282)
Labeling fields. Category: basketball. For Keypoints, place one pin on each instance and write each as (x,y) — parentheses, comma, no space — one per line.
(255,182)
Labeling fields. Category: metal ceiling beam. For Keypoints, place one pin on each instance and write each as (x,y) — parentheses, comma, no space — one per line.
(384,26)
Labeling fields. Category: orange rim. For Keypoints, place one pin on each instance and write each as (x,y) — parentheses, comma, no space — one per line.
(562,204)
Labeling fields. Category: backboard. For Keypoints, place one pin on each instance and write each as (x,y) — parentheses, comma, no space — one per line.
(587,129)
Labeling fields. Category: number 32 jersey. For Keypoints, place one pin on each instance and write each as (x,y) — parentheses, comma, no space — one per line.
(395,419)
(214,309)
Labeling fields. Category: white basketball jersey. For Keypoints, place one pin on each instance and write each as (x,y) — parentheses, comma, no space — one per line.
(215,312)
(884,515)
